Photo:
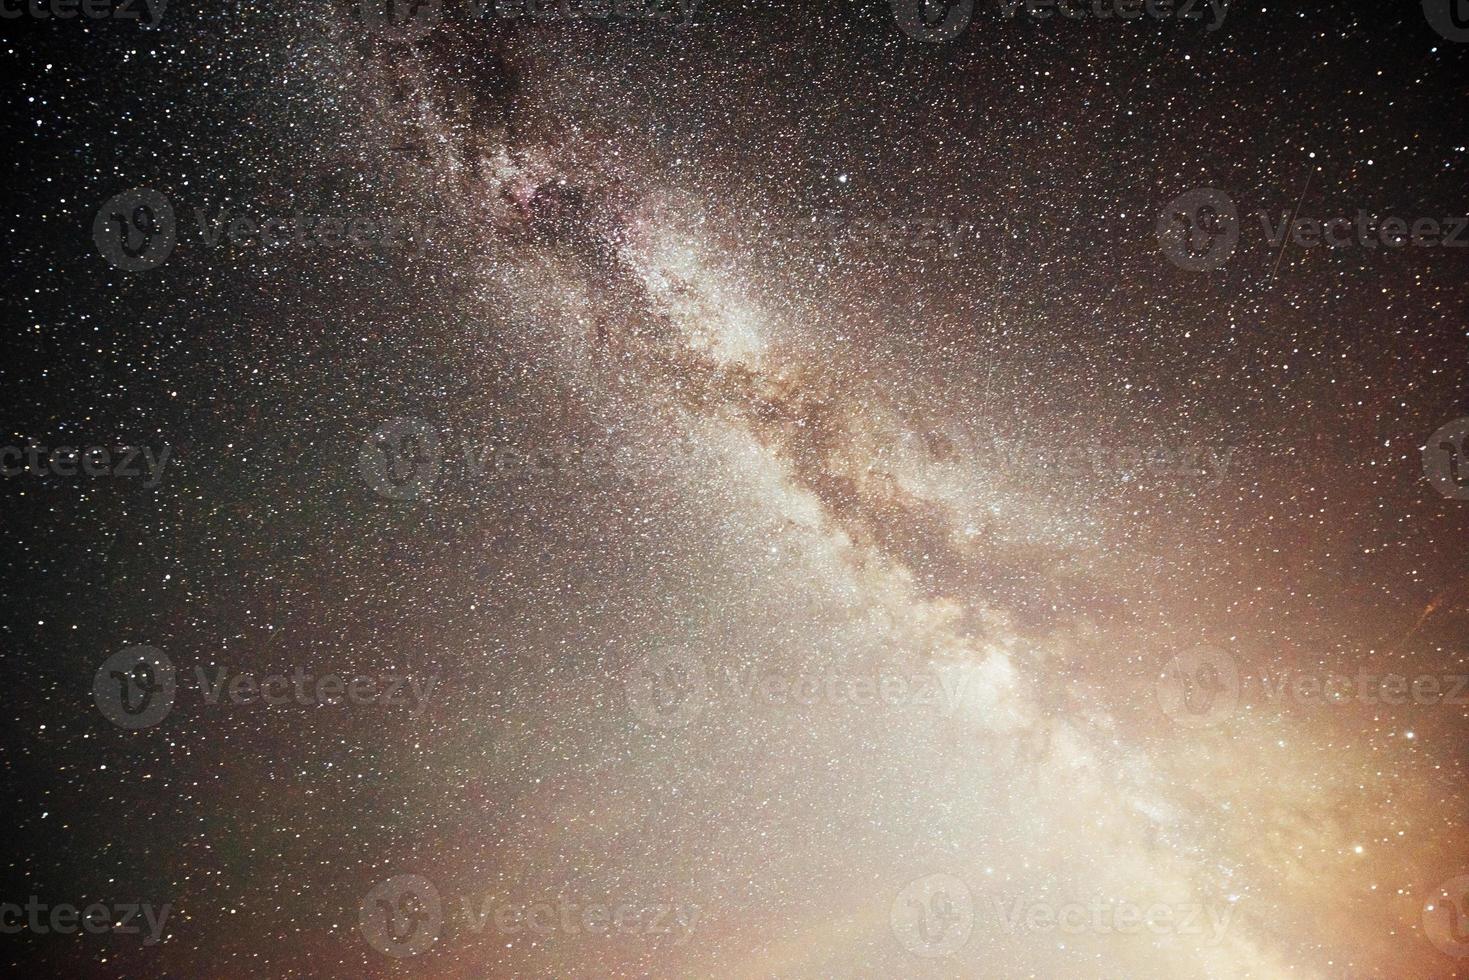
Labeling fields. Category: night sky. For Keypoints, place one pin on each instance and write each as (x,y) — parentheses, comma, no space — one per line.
(816,490)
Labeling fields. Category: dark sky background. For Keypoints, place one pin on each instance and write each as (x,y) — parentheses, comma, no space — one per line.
(611,196)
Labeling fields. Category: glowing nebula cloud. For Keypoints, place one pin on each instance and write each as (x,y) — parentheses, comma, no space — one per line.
(838,539)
